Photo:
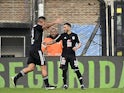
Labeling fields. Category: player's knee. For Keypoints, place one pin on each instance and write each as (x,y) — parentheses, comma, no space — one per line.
(30,68)
(76,69)
(64,72)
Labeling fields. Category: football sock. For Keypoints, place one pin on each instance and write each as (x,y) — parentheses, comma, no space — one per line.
(79,76)
(64,77)
(46,81)
(20,74)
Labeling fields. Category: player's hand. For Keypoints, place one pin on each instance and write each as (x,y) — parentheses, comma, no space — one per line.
(74,48)
(58,20)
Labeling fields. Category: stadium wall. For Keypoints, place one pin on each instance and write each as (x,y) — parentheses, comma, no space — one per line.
(98,72)
(15,11)
(73,11)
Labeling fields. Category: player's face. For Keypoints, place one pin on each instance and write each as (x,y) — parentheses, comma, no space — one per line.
(41,22)
(66,28)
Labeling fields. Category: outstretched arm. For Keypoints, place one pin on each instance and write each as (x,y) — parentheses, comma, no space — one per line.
(57,21)
(57,39)
(49,43)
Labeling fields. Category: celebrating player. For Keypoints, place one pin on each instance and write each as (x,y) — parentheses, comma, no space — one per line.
(35,53)
(69,41)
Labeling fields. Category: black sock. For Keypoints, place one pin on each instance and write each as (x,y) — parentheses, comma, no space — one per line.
(79,76)
(64,75)
(20,74)
(46,81)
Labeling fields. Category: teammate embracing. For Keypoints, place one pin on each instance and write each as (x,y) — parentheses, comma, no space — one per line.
(69,41)
(35,53)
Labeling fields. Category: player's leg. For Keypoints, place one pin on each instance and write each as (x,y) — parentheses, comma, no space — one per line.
(79,77)
(64,67)
(44,73)
(29,68)
(64,75)
(74,65)
(45,77)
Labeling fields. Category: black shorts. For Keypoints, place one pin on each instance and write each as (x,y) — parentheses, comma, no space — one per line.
(68,59)
(36,57)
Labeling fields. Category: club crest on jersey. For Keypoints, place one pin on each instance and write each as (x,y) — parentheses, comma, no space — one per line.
(73,37)
(65,37)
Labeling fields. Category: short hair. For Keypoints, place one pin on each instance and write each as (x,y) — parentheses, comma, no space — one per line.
(52,28)
(67,24)
(42,17)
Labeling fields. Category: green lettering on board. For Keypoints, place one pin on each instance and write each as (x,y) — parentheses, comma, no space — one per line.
(35,77)
(55,74)
(91,74)
(103,65)
(72,76)
(12,70)
(2,81)
(121,84)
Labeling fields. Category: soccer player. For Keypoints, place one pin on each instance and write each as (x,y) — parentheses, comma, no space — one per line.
(69,41)
(35,53)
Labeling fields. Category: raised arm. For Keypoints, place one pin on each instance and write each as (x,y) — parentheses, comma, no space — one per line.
(57,21)
(57,39)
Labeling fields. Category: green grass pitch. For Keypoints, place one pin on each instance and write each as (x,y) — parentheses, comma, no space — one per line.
(59,90)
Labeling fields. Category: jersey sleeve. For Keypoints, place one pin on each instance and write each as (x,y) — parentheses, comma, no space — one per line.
(39,28)
(58,38)
(77,39)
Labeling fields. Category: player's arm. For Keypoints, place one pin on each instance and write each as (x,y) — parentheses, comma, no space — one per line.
(78,44)
(49,43)
(57,39)
(77,47)
(57,21)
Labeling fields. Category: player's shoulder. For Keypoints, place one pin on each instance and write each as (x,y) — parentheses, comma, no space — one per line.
(73,33)
(37,26)
(63,34)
